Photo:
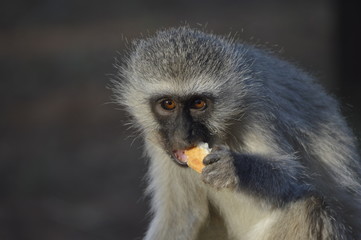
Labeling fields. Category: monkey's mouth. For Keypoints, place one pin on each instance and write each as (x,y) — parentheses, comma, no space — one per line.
(180,158)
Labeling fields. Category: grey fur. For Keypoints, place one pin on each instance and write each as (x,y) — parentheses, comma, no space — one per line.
(269,117)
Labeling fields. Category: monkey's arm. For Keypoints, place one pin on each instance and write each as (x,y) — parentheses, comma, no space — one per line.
(278,180)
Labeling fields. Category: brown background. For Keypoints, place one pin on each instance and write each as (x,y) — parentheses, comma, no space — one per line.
(67,168)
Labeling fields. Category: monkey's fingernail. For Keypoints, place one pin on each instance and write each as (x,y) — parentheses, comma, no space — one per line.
(209,160)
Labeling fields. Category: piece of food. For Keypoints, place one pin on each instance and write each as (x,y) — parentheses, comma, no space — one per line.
(196,155)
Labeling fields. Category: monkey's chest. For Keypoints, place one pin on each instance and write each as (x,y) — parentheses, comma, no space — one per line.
(214,227)
(237,216)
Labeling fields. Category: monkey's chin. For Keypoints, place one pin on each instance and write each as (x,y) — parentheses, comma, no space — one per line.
(180,158)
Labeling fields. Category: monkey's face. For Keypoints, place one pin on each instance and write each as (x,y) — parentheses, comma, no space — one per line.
(183,121)
(185,88)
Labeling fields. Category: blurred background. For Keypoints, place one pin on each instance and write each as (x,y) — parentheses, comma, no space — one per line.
(67,167)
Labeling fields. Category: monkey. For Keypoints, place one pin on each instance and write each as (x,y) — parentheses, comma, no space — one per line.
(284,164)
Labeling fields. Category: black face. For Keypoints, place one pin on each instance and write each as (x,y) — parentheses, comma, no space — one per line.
(183,121)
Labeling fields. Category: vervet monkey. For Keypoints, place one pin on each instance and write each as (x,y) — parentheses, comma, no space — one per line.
(283,165)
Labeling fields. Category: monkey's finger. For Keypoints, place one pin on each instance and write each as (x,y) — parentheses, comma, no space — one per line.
(218,148)
(211,158)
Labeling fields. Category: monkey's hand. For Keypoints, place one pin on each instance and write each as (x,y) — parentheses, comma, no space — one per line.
(279,180)
(220,171)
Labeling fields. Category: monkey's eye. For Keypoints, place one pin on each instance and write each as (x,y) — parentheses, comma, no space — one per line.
(199,104)
(168,104)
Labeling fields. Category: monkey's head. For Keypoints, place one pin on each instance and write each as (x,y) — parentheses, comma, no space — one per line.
(184,87)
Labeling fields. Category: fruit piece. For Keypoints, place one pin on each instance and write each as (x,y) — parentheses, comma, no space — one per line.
(196,155)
